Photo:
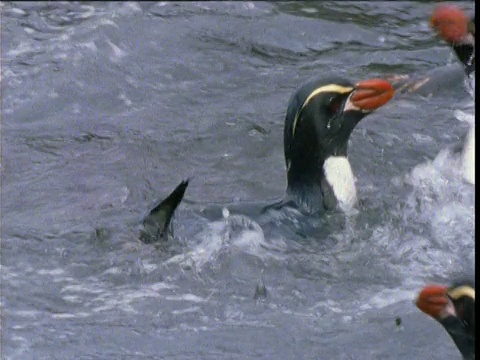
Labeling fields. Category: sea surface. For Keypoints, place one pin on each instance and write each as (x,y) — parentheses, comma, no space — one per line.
(106,107)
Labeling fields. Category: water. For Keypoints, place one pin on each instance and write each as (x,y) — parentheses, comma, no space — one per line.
(107,106)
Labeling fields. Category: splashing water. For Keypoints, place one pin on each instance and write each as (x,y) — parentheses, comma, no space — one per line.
(444,198)
(232,233)
(470,85)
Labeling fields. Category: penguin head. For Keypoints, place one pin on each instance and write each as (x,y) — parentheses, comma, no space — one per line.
(454,308)
(451,23)
(321,115)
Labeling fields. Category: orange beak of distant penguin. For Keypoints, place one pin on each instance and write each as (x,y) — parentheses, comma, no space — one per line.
(450,22)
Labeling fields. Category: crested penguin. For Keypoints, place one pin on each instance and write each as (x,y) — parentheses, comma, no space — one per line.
(454,308)
(454,26)
(321,116)
(458,31)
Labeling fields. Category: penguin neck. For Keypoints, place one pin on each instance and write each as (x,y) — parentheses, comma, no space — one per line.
(466,54)
(464,341)
(328,185)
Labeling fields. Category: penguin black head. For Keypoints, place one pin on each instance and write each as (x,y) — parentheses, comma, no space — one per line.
(454,308)
(321,115)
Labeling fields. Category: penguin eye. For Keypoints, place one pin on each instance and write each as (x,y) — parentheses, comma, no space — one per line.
(334,104)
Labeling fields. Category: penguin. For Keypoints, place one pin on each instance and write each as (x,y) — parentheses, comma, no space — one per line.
(454,308)
(458,31)
(320,118)
(454,26)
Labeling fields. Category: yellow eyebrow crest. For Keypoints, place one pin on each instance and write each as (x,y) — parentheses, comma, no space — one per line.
(332,88)
(327,88)
(462,291)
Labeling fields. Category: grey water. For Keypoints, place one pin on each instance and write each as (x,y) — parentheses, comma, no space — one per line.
(106,107)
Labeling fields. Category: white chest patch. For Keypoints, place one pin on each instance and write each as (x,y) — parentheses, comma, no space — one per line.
(468,157)
(339,175)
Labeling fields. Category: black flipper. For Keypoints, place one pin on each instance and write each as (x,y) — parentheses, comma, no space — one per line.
(155,224)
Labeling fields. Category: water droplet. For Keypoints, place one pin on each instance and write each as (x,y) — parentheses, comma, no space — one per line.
(225,213)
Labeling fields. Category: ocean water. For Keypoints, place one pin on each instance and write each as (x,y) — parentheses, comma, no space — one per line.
(106,107)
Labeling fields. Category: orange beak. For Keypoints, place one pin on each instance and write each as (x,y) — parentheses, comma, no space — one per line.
(433,300)
(371,94)
(450,22)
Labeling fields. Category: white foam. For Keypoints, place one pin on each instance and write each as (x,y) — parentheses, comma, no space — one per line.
(161,286)
(117,52)
(187,297)
(468,153)
(53,272)
(28,313)
(193,309)
(468,157)
(206,251)
(464,117)
(90,10)
(128,8)
(232,233)
(16,11)
(470,85)
(80,288)
(388,297)
(70,315)
(89,45)
(22,48)
(444,203)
